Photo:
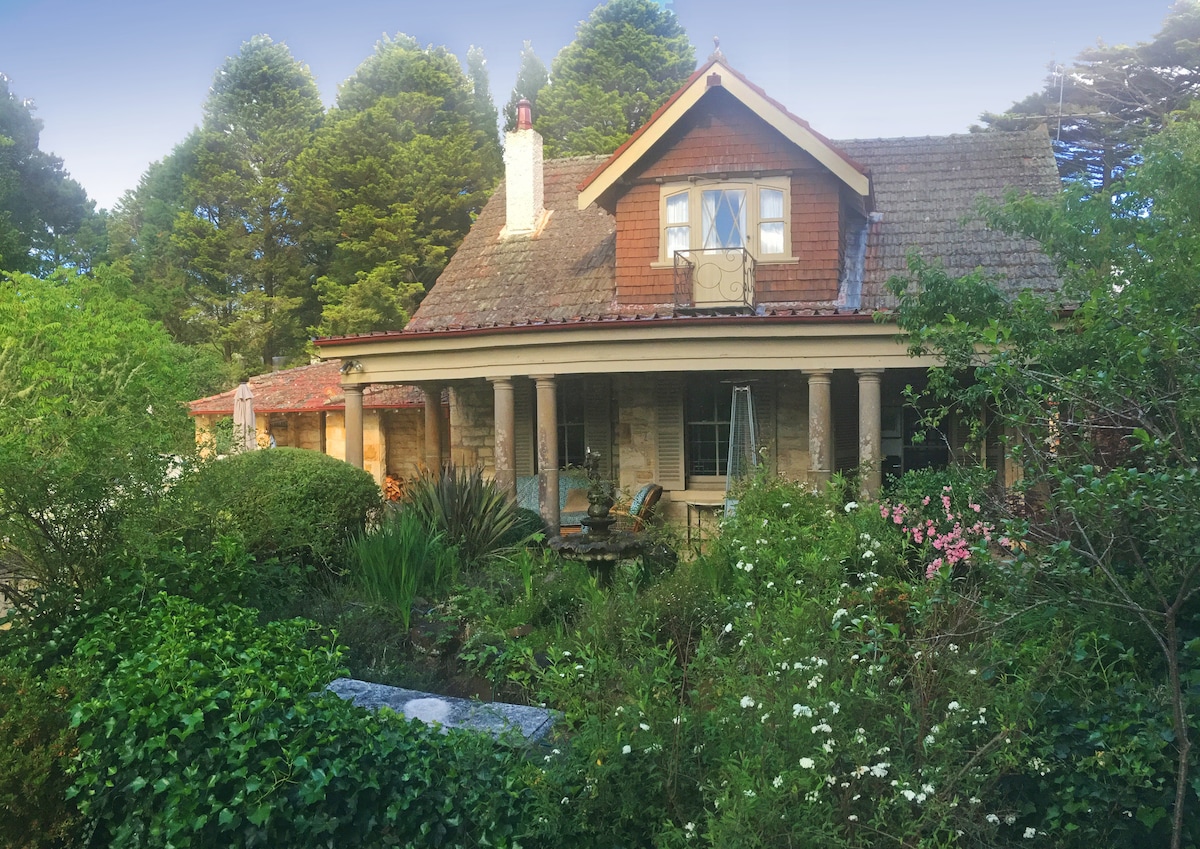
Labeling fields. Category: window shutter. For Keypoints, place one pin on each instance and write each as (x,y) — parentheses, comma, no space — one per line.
(764,394)
(523,443)
(597,425)
(669,409)
(845,423)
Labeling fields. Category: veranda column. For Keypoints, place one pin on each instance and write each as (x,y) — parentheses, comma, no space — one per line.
(547,449)
(506,477)
(433,427)
(820,427)
(354,423)
(869,424)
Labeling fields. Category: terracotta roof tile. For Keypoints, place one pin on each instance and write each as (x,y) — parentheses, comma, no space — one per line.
(310,388)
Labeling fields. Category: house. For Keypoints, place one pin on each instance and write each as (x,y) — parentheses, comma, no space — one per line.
(614,302)
(304,407)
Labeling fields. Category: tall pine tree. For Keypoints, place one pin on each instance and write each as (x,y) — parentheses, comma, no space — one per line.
(46,219)
(394,179)
(625,61)
(1104,105)
(238,237)
(532,77)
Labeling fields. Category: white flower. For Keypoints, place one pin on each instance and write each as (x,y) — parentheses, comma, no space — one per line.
(690,828)
(801,710)
(1030,832)
(749,794)
(853,818)
(834,706)
(993,819)
(626,750)
(747,702)
(908,794)
(564,801)
(880,770)
(807,763)
(953,706)
(786,504)
(728,627)
(815,681)
(643,726)
(677,720)
(777,782)
(850,506)
(827,746)
(824,726)
(1010,819)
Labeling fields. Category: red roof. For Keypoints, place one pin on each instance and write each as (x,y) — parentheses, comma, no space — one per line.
(312,388)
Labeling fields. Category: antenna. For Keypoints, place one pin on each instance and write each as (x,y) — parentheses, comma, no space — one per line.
(1060,72)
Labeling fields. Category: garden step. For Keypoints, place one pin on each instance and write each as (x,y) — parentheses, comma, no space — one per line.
(495,718)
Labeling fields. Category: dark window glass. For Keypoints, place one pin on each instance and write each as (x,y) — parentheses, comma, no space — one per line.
(571,407)
(706,418)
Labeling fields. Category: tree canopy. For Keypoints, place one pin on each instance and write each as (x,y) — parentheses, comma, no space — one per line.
(625,61)
(45,216)
(238,236)
(532,77)
(1102,408)
(1101,107)
(91,407)
(392,181)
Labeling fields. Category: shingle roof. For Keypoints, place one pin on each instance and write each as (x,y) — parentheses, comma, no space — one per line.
(310,388)
(565,271)
(924,189)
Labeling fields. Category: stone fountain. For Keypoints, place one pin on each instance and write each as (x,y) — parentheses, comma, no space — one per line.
(598,546)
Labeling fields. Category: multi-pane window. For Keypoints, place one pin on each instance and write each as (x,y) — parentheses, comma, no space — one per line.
(706,426)
(751,214)
(572,444)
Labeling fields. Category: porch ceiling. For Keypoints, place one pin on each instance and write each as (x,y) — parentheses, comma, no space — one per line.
(643,348)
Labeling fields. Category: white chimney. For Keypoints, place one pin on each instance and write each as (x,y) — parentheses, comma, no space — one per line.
(523,175)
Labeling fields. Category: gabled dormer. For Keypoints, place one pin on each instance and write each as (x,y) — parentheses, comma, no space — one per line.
(725,200)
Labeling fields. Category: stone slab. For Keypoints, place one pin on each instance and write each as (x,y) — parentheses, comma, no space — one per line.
(495,718)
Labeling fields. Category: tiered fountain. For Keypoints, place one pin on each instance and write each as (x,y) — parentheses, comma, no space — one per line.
(598,546)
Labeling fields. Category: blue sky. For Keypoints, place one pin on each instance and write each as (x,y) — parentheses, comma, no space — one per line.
(119,83)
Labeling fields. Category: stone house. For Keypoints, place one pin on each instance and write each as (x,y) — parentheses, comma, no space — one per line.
(614,302)
(305,407)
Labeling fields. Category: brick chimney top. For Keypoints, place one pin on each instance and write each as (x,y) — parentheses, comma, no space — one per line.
(524,115)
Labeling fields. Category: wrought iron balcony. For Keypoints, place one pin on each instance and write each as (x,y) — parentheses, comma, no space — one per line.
(714,278)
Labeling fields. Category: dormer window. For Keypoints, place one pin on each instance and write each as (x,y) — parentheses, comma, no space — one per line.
(730,214)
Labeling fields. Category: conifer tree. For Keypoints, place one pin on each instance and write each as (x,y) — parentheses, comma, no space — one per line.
(393,180)
(532,77)
(625,61)
(1111,98)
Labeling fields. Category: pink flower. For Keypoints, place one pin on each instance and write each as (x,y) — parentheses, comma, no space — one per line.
(925,500)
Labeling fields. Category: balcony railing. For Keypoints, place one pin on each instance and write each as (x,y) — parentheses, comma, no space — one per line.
(714,278)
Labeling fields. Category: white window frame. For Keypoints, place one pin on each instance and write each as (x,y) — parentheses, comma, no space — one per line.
(753,186)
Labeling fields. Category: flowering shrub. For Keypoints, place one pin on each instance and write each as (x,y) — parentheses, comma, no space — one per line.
(825,701)
(943,534)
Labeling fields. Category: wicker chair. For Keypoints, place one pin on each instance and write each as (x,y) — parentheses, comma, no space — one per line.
(641,506)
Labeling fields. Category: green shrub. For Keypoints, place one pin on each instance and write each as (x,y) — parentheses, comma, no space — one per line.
(527,526)
(299,506)
(471,511)
(36,756)
(401,559)
(211,730)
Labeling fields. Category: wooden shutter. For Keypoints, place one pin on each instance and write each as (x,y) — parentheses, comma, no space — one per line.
(845,422)
(523,441)
(597,420)
(669,409)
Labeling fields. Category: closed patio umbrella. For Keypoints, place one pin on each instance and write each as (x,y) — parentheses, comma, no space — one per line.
(245,437)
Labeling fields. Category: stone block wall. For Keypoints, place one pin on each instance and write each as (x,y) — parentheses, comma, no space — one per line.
(405,431)
(791,426)
(472,425)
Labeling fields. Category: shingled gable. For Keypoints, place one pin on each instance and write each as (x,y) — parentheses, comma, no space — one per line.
(603,184)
